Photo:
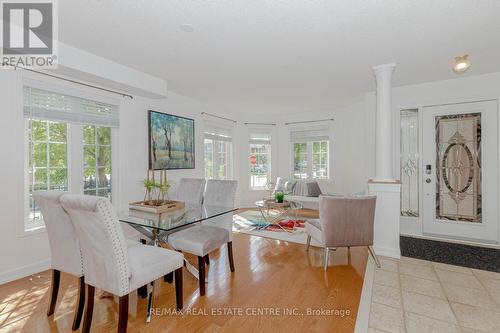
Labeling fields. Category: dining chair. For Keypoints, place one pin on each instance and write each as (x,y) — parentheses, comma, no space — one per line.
(190,190)
(343,222)
(200,240)
(113,264)
(64,249)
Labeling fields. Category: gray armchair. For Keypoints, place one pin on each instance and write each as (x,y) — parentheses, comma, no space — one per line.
(343,222)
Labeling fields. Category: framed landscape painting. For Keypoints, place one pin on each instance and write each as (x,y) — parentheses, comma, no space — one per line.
(171,141)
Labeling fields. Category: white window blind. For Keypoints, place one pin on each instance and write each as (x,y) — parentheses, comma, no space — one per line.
(43,104)
(260,136)
(218,133)
(309,135)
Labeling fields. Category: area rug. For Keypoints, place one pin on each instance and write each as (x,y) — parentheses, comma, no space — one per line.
(251,222)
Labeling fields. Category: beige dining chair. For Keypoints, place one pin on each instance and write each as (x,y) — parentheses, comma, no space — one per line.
(343,222)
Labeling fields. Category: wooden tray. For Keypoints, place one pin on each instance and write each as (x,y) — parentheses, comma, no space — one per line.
(169,206)
(273,203)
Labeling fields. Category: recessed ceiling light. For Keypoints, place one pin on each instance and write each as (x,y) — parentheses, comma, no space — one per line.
(462,63)
(186,27)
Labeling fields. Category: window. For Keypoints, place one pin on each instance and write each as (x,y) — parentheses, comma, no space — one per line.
(57,156)
(218,153)
(409,162)
(310,152)
(260,160)
(97,161)
(48,160)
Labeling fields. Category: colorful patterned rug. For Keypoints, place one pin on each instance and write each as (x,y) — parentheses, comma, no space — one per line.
(251,222)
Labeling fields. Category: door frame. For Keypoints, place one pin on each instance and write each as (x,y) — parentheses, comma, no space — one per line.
(413,226)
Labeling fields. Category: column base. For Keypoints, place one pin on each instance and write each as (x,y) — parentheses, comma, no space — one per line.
(387,211)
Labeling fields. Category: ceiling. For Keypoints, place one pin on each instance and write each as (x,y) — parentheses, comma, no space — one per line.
(282,56)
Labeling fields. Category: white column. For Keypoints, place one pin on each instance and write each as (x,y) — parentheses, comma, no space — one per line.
(383,131)
(385,186)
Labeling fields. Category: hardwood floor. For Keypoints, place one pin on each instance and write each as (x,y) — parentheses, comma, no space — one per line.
(269,275)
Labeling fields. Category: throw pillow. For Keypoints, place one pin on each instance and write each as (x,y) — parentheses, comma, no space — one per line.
(313,189)
(289,185)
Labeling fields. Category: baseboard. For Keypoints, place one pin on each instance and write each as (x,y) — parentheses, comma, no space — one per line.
(387,252)
(363,317)
(24,271)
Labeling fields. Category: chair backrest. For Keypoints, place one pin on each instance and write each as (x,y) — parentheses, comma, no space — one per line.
(220,192)
(64,244)
(190,190)
(102,242)
(347,221)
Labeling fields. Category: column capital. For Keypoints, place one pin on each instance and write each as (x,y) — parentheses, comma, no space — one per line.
(385,69)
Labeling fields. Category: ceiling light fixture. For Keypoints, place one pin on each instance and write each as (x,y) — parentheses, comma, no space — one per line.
(186,27)
(462,63)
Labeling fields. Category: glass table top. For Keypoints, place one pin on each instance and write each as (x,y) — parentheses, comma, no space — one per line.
(168,221)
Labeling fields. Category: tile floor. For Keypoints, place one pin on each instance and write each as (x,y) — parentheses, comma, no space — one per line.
(412,295)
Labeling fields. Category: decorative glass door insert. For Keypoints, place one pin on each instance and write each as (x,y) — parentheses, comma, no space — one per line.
(458,163)
(409,163)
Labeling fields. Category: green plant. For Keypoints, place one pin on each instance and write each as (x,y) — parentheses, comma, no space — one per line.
(149,185)
(162,190)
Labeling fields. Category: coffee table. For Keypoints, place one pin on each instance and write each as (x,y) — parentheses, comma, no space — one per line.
(284,210)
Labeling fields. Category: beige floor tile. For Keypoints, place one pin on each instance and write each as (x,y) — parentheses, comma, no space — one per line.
(428,306)
(374,330)
(386,278)
(386,318)
(452,268)
(420,324)
(486,274)
(458,279)
(475,297)
(415,261)
(477,318)
(496,298)
(424,272)
(389,265)
(422,286)
(470,330)
(386,295)
(491,285)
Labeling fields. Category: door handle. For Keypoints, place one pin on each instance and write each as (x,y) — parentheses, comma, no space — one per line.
(428,180)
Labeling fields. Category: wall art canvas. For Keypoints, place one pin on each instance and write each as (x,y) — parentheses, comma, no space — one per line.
(171,142)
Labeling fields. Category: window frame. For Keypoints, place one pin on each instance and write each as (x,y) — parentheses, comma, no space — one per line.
(216,154)
(310,159)
(266,142)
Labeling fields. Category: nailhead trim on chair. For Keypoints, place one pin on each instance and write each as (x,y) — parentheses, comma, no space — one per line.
(106,212)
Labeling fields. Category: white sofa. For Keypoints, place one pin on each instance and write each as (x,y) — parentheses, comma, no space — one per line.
(299,192)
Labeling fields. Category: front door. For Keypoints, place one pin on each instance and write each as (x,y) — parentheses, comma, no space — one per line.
(460,163)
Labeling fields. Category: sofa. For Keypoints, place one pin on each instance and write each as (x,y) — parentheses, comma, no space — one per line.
(299,190)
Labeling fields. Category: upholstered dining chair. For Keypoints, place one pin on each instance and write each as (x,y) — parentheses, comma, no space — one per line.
(212,234)
(64,249)
(190,190)
(110,262)
(343,222)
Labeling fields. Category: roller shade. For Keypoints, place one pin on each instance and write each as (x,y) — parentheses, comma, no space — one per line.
(260,136)
(309,135)
(43,104)
(218,133)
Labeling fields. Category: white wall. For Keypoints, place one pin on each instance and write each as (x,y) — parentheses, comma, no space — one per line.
(23,253)
(459,90)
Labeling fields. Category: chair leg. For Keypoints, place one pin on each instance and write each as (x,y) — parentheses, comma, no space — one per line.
(308,243)
(169,277)
(327,254)
(89,309)
(54,289)
(207,259)
(178,288)
(123,314)
(80,303)
(201,274)
(230,255)
(150,302)
(372,252)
